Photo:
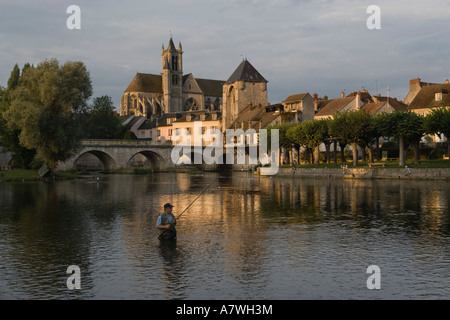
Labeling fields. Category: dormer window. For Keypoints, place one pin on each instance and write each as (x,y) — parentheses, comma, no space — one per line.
(438,96)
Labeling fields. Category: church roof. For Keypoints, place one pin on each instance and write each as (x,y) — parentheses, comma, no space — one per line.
(211,88)
(145,82)
(246,72)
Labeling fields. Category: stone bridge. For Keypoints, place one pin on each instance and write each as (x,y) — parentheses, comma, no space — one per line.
(110,155)
(120,154)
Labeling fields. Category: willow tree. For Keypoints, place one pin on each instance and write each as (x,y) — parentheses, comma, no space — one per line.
(44,107)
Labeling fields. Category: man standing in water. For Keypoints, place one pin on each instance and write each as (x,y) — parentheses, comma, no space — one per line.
(166,224)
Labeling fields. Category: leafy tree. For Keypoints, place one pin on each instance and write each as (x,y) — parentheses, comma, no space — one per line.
(101,122)
(44,108)
(284,140)
(438,122)
(310,134)
(351,127)
(407,127)
(9,135)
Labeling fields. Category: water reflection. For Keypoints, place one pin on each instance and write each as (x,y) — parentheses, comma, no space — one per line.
(245,238)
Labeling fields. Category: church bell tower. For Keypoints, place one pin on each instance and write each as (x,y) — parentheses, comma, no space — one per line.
(172,77)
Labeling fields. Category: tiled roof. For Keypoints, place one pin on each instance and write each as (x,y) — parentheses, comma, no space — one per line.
(211,88)
(246,72)
(145,82)
(253,116)
(296,97)
(334,106)
(373,107)
(426,97)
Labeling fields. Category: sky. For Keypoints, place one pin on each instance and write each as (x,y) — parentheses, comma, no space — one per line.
(320,46)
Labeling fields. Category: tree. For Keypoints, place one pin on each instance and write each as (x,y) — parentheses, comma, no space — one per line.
(351,127)
(438,122)
(9,135)
(407,127)
(101,122)
(285,142)
(44,108)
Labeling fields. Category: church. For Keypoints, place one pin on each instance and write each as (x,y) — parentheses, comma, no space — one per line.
(172,92)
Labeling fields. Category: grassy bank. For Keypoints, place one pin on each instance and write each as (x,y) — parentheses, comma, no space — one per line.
(32,175)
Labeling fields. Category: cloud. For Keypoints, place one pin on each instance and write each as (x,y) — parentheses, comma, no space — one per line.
(299,46)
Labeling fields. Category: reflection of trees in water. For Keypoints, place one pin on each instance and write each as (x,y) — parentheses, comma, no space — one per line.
(368,203)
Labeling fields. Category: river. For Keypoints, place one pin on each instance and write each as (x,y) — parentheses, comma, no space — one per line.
(247,237)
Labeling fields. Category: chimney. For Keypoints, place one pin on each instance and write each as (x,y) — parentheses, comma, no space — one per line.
(414,84)
(358,101)
(316,105)
(446,81)
(315,96)
(342,94)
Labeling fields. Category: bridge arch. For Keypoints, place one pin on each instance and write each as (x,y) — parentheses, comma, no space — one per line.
(107,162)
(146,158)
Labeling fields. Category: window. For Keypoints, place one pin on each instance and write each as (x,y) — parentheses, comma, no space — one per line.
(170,132)
(174,79)
(438,96)
(159,133)
(174,63)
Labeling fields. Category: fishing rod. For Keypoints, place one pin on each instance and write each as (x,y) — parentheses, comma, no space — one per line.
(197,197)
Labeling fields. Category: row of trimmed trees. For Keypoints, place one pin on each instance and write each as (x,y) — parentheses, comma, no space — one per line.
(359,128)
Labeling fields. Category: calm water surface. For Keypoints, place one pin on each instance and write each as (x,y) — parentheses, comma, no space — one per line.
(246,238)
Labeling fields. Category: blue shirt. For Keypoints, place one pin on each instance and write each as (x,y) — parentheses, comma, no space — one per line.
(169,216)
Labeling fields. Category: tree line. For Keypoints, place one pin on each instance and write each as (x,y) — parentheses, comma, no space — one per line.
(45,112)
(360,128)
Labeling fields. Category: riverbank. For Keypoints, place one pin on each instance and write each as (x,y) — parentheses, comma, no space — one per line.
(362,173)
(32,175)
(432,170)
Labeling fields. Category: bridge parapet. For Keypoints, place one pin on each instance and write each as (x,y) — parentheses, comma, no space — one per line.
(121,143)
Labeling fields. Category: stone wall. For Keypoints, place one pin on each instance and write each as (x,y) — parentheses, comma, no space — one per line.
(365,173)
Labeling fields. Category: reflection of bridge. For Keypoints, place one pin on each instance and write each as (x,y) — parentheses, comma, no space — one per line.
(118,154)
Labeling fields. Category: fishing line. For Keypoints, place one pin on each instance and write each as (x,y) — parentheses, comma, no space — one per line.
(197,197)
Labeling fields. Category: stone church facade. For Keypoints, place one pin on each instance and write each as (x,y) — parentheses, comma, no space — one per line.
(152,95)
